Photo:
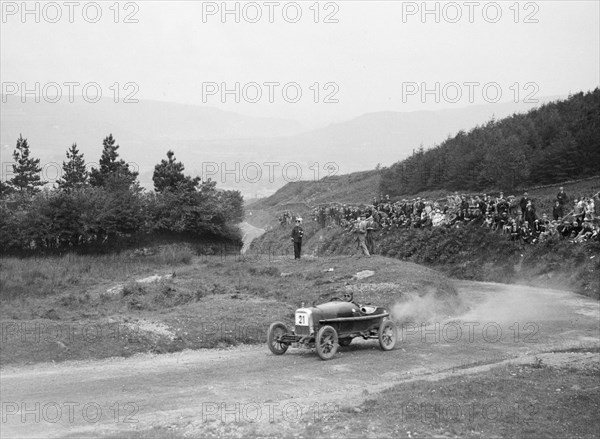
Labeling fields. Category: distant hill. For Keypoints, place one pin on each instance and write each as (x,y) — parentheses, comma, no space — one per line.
(197,134)
(145,131)
(146,120)
(388,136)
(355,188)
(557,142)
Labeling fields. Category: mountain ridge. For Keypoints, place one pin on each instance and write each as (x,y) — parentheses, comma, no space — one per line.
(200,134)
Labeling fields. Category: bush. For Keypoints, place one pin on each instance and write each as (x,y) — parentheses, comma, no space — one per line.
(173,254)
(133,289)
(100,219)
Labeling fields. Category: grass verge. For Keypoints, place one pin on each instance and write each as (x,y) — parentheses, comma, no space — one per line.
(517,400)
(73,308)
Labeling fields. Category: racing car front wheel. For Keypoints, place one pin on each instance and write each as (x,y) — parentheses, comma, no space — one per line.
(326,342)
(276,331)
(387,335)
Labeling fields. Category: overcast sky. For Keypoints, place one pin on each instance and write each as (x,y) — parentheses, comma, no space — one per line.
(367,58)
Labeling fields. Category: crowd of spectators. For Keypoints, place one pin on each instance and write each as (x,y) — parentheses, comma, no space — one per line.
(517,218)
(286,218)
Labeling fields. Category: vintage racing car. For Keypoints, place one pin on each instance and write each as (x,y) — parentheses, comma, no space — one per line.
(334,323)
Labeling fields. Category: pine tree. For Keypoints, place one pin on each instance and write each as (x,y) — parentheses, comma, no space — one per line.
(113,172)
(26,169)
(74,173)
(168,175)
(5,189)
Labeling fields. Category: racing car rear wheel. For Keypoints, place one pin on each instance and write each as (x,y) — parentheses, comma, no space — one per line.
(326,342)
(387,335)
(276,331)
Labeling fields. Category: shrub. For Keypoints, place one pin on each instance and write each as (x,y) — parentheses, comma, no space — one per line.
(133,289)
(173,254)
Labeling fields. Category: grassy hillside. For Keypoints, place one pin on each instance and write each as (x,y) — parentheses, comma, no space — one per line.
(78,307)
(542,196)
(361,187)
(358,187)
(300,197)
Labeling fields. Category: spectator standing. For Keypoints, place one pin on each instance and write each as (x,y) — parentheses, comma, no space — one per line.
(557,211)
(523,203)
(297,234)
(530,216)
(579,209)
(481,205)
(513,206)
(590,209)
(562,197)
(370,238)
(362,235)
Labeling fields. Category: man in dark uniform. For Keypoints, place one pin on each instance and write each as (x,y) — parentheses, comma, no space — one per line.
(557,211)
(523,203)
(562,197)
(530,215)
(297,234)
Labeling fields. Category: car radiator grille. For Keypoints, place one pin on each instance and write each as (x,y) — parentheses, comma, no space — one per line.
(302,330)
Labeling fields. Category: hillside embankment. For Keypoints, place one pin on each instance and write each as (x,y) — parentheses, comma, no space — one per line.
(468,252)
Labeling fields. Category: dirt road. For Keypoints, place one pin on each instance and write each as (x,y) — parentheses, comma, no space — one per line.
(247,390)
(249,234)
